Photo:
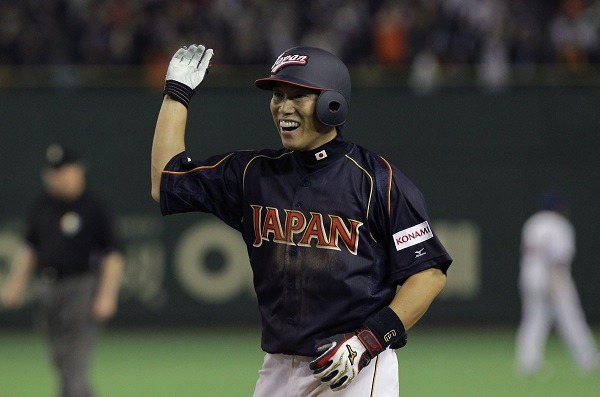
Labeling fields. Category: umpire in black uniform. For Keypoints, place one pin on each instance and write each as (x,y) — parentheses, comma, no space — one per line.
(71,244)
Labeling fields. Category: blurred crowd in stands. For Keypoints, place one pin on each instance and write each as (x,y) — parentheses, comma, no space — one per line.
(406,32)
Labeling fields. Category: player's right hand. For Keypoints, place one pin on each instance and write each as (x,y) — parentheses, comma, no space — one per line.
(189,65)
(186,71)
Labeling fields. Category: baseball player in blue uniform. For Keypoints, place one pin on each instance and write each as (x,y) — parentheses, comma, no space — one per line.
(344,256)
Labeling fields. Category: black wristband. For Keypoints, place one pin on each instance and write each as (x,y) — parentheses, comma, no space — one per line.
(179,92)
(387,327)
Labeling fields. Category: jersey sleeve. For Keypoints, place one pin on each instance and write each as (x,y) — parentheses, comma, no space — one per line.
(212,185)
(413,245)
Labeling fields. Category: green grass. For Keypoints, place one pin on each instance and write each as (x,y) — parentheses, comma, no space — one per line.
(475,363)
(203,362)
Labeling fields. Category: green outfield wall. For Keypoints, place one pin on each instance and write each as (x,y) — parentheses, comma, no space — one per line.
(480,160)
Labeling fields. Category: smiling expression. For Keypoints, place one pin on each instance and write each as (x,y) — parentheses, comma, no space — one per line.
(293,110)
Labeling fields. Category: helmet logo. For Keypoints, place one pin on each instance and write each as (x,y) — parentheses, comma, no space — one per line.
(290,59)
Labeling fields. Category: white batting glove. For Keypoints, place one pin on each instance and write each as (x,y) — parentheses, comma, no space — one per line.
(344,356)
(187,69)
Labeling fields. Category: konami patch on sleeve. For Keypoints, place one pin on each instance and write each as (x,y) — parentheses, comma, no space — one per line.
(413,235)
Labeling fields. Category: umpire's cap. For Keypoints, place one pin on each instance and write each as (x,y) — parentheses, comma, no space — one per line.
(317,69)
(58,155)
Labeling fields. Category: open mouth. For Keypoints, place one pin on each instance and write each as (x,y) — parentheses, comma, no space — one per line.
(288,126)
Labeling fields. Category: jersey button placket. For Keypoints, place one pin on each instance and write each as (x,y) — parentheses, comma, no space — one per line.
(290,285)
(292,296)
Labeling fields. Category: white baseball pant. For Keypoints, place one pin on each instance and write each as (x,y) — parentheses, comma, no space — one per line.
(289,376)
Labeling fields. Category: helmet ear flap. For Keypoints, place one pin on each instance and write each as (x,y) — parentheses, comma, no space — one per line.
(332,108)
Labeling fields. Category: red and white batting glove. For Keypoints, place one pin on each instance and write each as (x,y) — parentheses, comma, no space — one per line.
(345,355)
(186,71)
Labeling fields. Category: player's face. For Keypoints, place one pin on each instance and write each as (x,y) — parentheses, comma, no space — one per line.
(293,110)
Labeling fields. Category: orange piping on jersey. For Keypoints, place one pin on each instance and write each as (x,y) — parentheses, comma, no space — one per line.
(371,190)
(202,167)
(389,186)
(254,158)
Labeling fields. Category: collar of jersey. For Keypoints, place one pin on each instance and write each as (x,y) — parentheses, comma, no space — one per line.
(335,149)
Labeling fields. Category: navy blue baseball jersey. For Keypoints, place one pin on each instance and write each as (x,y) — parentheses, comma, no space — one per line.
(330,232)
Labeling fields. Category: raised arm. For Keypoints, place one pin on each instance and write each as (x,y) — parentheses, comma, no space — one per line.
(185,73)
(168,139)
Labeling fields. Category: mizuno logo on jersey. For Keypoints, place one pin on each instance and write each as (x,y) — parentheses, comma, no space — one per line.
(298,229)
(413,235)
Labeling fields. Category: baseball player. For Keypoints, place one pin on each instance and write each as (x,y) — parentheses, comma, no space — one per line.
(72,245)
(332,230)
(549,295)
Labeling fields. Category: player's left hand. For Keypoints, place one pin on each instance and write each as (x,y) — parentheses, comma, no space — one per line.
(344,356)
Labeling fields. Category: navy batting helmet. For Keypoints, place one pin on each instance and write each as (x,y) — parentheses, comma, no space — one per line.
(317,69)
